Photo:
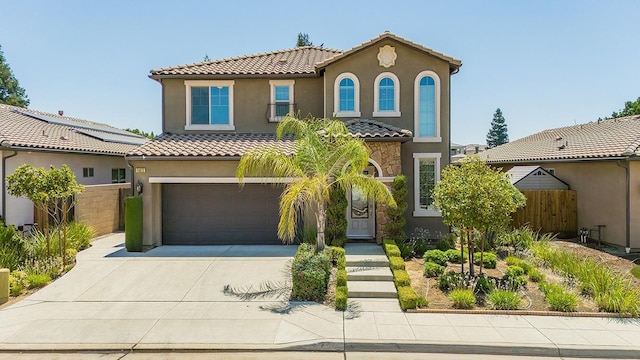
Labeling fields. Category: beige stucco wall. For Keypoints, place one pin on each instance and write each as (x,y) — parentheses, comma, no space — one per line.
(250,101)
(20,210)
(601,196)
(99,206)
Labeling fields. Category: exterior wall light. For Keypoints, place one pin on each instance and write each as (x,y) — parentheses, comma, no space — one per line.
(139,187)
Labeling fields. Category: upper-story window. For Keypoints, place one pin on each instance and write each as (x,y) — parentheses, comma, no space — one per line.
(281,102)
(347,96)
(209,105)
(427,107)
(386,95)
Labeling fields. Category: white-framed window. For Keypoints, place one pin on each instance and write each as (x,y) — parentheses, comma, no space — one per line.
(281,101)
(87,172)
(427,107)
(346,102)
(386,95)
(209,104)
(426,174)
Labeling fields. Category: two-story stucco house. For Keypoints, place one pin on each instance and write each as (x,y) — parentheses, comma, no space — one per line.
(391,92)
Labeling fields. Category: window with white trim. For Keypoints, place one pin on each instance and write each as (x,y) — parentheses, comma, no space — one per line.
(386,95)
(209,105)
(427,107)
(87,172)
(426,173)
(281,101)
(346,91)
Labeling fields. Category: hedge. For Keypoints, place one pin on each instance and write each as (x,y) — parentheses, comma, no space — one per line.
(133,223)
(407,297)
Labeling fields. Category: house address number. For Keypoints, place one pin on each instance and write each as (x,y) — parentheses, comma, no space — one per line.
(141,170)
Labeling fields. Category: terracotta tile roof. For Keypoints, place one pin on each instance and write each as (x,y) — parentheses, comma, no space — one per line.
(454,64)
(29,129)
(372,129)
(206,145)
(300,60)
(238,144)
(595,140)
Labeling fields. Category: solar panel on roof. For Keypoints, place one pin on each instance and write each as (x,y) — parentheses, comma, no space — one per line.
(110,137)
(78,124)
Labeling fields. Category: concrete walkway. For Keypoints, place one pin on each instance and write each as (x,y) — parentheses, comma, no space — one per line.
(171,298)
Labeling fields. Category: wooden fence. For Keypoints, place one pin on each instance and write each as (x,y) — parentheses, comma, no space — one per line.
(553,211)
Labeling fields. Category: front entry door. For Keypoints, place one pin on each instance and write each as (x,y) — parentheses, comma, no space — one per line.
(361,215)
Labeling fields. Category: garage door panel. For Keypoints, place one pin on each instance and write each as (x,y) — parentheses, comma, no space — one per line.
(208,214)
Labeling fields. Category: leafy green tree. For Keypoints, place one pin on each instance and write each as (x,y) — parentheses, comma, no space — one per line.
(474,197)
(394,228)
(141,133)
(326,155)
(51,191)
(303,40)
(630,108)
(498,133)
(10,91)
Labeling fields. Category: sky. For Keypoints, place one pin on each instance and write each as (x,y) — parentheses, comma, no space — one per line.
(544,63)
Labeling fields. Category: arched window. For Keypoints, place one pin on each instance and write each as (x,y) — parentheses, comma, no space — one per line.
(347,96)
(427,107)
(386,95)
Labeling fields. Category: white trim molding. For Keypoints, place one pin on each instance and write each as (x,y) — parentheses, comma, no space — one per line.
(356,96)
(217,180)
(396,96)
(272,99)
(417,211)
(416,111)
(208,83)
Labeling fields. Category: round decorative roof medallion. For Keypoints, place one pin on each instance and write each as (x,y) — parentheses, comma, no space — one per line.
(387,56)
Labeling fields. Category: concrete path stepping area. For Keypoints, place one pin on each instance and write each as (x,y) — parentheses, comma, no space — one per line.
(368,272)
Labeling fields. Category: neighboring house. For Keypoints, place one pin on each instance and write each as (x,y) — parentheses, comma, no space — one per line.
(456,149)
(93,151)
(391,92)
(472,149)
(535,177)
(599,161)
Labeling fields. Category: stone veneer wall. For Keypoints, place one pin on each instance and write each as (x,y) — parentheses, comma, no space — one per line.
(99,206)
(387,155)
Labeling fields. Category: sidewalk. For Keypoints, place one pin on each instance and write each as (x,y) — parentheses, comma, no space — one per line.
(171,298)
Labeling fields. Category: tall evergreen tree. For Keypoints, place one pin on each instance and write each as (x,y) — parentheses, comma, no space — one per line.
(303,40)
(10,91)
(498,133)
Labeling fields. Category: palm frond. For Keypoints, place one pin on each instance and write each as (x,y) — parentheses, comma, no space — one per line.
(267,289)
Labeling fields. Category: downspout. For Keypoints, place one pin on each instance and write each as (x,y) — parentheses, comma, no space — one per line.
(4,184)
(627,247)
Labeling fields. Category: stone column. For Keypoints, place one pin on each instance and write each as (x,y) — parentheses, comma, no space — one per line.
(387,155)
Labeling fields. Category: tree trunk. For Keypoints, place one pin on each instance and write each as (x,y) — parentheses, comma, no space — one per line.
(472,248)
(64,233)
(481,251)
(321,218)
(462,236)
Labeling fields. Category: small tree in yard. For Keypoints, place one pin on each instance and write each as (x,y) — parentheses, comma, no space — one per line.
(51,191)
(325,155)
(474,196)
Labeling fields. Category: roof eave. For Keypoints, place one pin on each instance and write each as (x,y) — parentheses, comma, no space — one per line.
(159,77)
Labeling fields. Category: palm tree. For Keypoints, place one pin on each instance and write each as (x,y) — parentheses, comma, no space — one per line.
(325,155)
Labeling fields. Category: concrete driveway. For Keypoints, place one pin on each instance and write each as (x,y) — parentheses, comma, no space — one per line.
(170,296)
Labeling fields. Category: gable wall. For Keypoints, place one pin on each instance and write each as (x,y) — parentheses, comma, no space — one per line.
(540,182)
(250,97)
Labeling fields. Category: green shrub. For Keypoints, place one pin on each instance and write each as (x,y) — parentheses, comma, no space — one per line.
(310,272)
(518,240)
(16,282)
(420,246)
(342,294)
(432,269)
(504,300)
(79,235)
(341,277)
(635,271)
(34,281)
(436,256)
(336,226)
(401,278)
(12,252)
(513,271)
(483,286)
(70,256)
(526,267)
(447,242)
(396,263)
(453,280)
(512,260)
(562,301)
(489,259)
(454,256)
(406,251)
(133,228)
(422,302)
(407,297)
(546,288)
(514,275)
(462,298)
(338,256)
(391,250)
(388,241)
(535,275)
(394,227)
(50,266)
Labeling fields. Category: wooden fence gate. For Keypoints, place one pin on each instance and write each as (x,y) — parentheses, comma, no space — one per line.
(553,211)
